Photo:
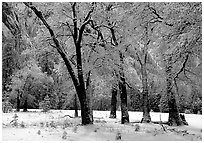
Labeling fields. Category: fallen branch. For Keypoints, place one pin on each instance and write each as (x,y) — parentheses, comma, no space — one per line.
(68,116)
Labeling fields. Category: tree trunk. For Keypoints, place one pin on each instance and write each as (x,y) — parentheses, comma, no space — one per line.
(174,118)
(123,94)
(18,102)
(113,102)
(25,106)
(75,106)
(89,94)
(145,101)
(86,112)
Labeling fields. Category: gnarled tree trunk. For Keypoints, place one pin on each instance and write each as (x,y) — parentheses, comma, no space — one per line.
(123,93)
(174,118)
(113,102)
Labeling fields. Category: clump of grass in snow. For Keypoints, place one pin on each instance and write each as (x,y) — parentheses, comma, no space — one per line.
(137,127)
(22,124)
(14,122)
(39,132)
(52,124)
(96,129)
(64,135)
(41,124)
(118,136)
(47,124)
(100,121)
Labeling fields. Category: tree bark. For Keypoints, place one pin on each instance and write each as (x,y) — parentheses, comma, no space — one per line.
(174,118)
(89,93)
(25,105)
(75,106)
(123,93)
(18,102)
(145,101)
(113,102)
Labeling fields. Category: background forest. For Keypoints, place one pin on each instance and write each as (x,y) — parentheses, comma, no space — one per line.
(141,56)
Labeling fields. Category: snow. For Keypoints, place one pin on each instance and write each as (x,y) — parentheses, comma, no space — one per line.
(103,128)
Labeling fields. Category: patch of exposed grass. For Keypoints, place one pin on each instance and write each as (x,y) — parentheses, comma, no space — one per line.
(64,135)
(137,127)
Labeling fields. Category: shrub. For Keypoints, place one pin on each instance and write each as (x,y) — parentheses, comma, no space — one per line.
(45,105)
(6,106)
(14,122)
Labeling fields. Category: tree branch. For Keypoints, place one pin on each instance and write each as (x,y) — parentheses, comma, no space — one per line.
(86,21)
(138,59)
(183,66)
(75,34)
(57,45)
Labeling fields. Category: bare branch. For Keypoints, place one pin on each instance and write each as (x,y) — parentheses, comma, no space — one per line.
(75,34)
(138,59)
(155,12)
(183,66)
(57,45)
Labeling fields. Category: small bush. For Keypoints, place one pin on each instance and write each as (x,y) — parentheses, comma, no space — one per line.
(45,105)
(6,107)
(14,122)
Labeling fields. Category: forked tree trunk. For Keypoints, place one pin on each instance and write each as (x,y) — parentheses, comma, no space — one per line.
(123,93)
(174,118)
(113,102)
(86,112)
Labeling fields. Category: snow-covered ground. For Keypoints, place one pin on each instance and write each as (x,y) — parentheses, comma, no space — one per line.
(38,127)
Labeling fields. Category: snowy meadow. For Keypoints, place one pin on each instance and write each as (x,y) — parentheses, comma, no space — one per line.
(59,125)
